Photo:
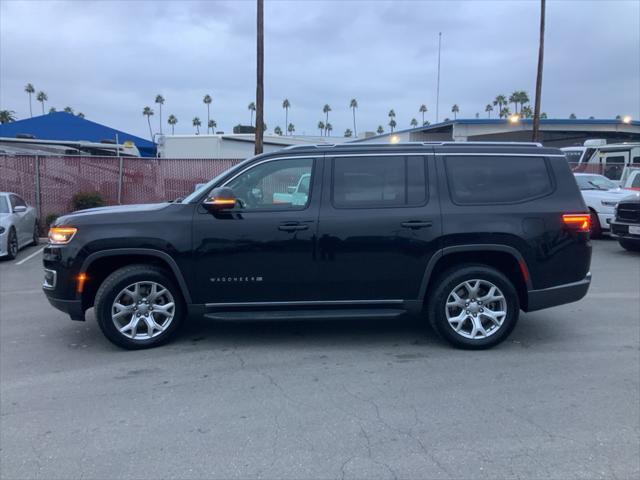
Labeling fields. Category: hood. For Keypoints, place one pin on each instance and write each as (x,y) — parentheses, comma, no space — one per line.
(112,210)
(614,195)
(633,198)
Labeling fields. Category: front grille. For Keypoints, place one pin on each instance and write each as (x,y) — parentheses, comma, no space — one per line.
(628,212)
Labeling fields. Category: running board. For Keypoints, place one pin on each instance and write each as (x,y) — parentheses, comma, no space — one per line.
(271,315)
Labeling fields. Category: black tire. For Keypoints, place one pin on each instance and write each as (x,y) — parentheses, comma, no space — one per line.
(12,244)
(596,229)
(444,286)
(36,233)
(630,245)
(115,283)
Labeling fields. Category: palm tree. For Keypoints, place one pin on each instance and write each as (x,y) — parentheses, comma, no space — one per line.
(526,112)
(52,110)
(572,116)
(80,115)
(7,116)
(42,97)
(252,108)
(286,105)
(536,106)
(68,110)
(329,129)
(160,101)
(211,124)
(172,120)
(277,131)
(29,89)
(348,133)
(523,97)
(291,128)
(326,109)
(426,122)
(505,112)
(455,109)
(353,104)
(422,110)
(147,112)
(391,114)
(543,115)
(514,98)
(380,130)
(207,101)
(414,122)
(321,127)
(499,101)
(392,124)
(618,117)
(196,123)
(488,109)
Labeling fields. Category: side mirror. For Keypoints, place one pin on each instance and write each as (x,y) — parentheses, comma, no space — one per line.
(19,209)
(221,199)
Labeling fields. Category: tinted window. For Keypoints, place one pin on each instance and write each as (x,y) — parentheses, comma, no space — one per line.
(614,167)
(573,156)
(500,179)
(378,181)
(277,184)
(4,207)
(636,182)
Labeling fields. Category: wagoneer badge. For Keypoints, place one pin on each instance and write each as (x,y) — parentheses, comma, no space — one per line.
(235,279)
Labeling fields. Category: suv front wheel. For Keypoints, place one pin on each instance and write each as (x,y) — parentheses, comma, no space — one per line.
(139,306)
(473,307)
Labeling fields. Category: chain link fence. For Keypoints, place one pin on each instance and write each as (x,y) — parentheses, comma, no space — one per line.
(49,183)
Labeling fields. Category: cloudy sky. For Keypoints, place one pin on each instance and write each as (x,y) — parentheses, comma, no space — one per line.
(109,59)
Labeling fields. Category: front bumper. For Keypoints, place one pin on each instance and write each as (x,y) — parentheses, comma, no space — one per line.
(621,230)
(559,295)
(605,220)
(71,307)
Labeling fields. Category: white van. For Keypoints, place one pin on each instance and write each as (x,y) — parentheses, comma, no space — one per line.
(608,160)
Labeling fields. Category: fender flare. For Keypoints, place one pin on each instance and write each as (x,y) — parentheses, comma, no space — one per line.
(149,252)
(473,248)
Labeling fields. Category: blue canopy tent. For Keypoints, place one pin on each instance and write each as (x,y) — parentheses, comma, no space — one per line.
(66,126)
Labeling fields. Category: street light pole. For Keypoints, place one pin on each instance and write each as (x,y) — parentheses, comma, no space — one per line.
(438,84)
(536,108)
(260,78)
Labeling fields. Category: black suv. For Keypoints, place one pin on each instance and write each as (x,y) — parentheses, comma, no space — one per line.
(463,234)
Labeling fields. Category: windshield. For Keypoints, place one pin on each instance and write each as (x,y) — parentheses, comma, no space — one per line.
(205,187)
(594,182)
(4,206)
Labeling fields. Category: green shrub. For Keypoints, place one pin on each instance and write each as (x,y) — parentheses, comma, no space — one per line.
(83,200)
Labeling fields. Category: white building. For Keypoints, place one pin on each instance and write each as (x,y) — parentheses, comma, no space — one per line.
(230,146)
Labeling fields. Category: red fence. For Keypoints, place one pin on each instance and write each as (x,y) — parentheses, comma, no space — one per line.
(137,180)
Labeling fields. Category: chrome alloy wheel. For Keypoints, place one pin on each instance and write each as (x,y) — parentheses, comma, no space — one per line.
(143,310)
(476,309)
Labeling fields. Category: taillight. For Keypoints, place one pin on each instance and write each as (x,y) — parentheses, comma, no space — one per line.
(580,222)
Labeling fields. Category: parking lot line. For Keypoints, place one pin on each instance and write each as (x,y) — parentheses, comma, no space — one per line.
(30,256)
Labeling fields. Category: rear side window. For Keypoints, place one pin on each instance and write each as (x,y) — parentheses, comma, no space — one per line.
(366,182)
(495,180)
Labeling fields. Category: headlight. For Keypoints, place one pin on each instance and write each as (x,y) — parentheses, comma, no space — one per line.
(609,203)
(61,235)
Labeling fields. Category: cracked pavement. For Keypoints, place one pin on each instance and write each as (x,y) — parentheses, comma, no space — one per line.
(340,399)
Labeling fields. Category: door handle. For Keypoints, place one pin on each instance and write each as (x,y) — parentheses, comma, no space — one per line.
(292,227)
(416,224)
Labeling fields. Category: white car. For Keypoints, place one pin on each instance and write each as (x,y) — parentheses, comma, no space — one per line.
(18,225)
(601,196)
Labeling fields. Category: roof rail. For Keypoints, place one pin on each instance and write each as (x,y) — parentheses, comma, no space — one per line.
(480,143)
(400,144)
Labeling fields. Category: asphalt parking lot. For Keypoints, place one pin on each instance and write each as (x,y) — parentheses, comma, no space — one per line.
(559,399)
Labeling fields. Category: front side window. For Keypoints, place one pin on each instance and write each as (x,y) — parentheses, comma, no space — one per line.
(4,206)
(494,180)
(276,184)
(368,182)
(614,167)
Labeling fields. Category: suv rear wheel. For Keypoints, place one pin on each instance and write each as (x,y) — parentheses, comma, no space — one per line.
(139,306)
(473,307)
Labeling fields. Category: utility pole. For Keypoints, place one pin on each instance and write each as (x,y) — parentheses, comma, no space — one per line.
(536,108)
(438,84)
(260,79)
